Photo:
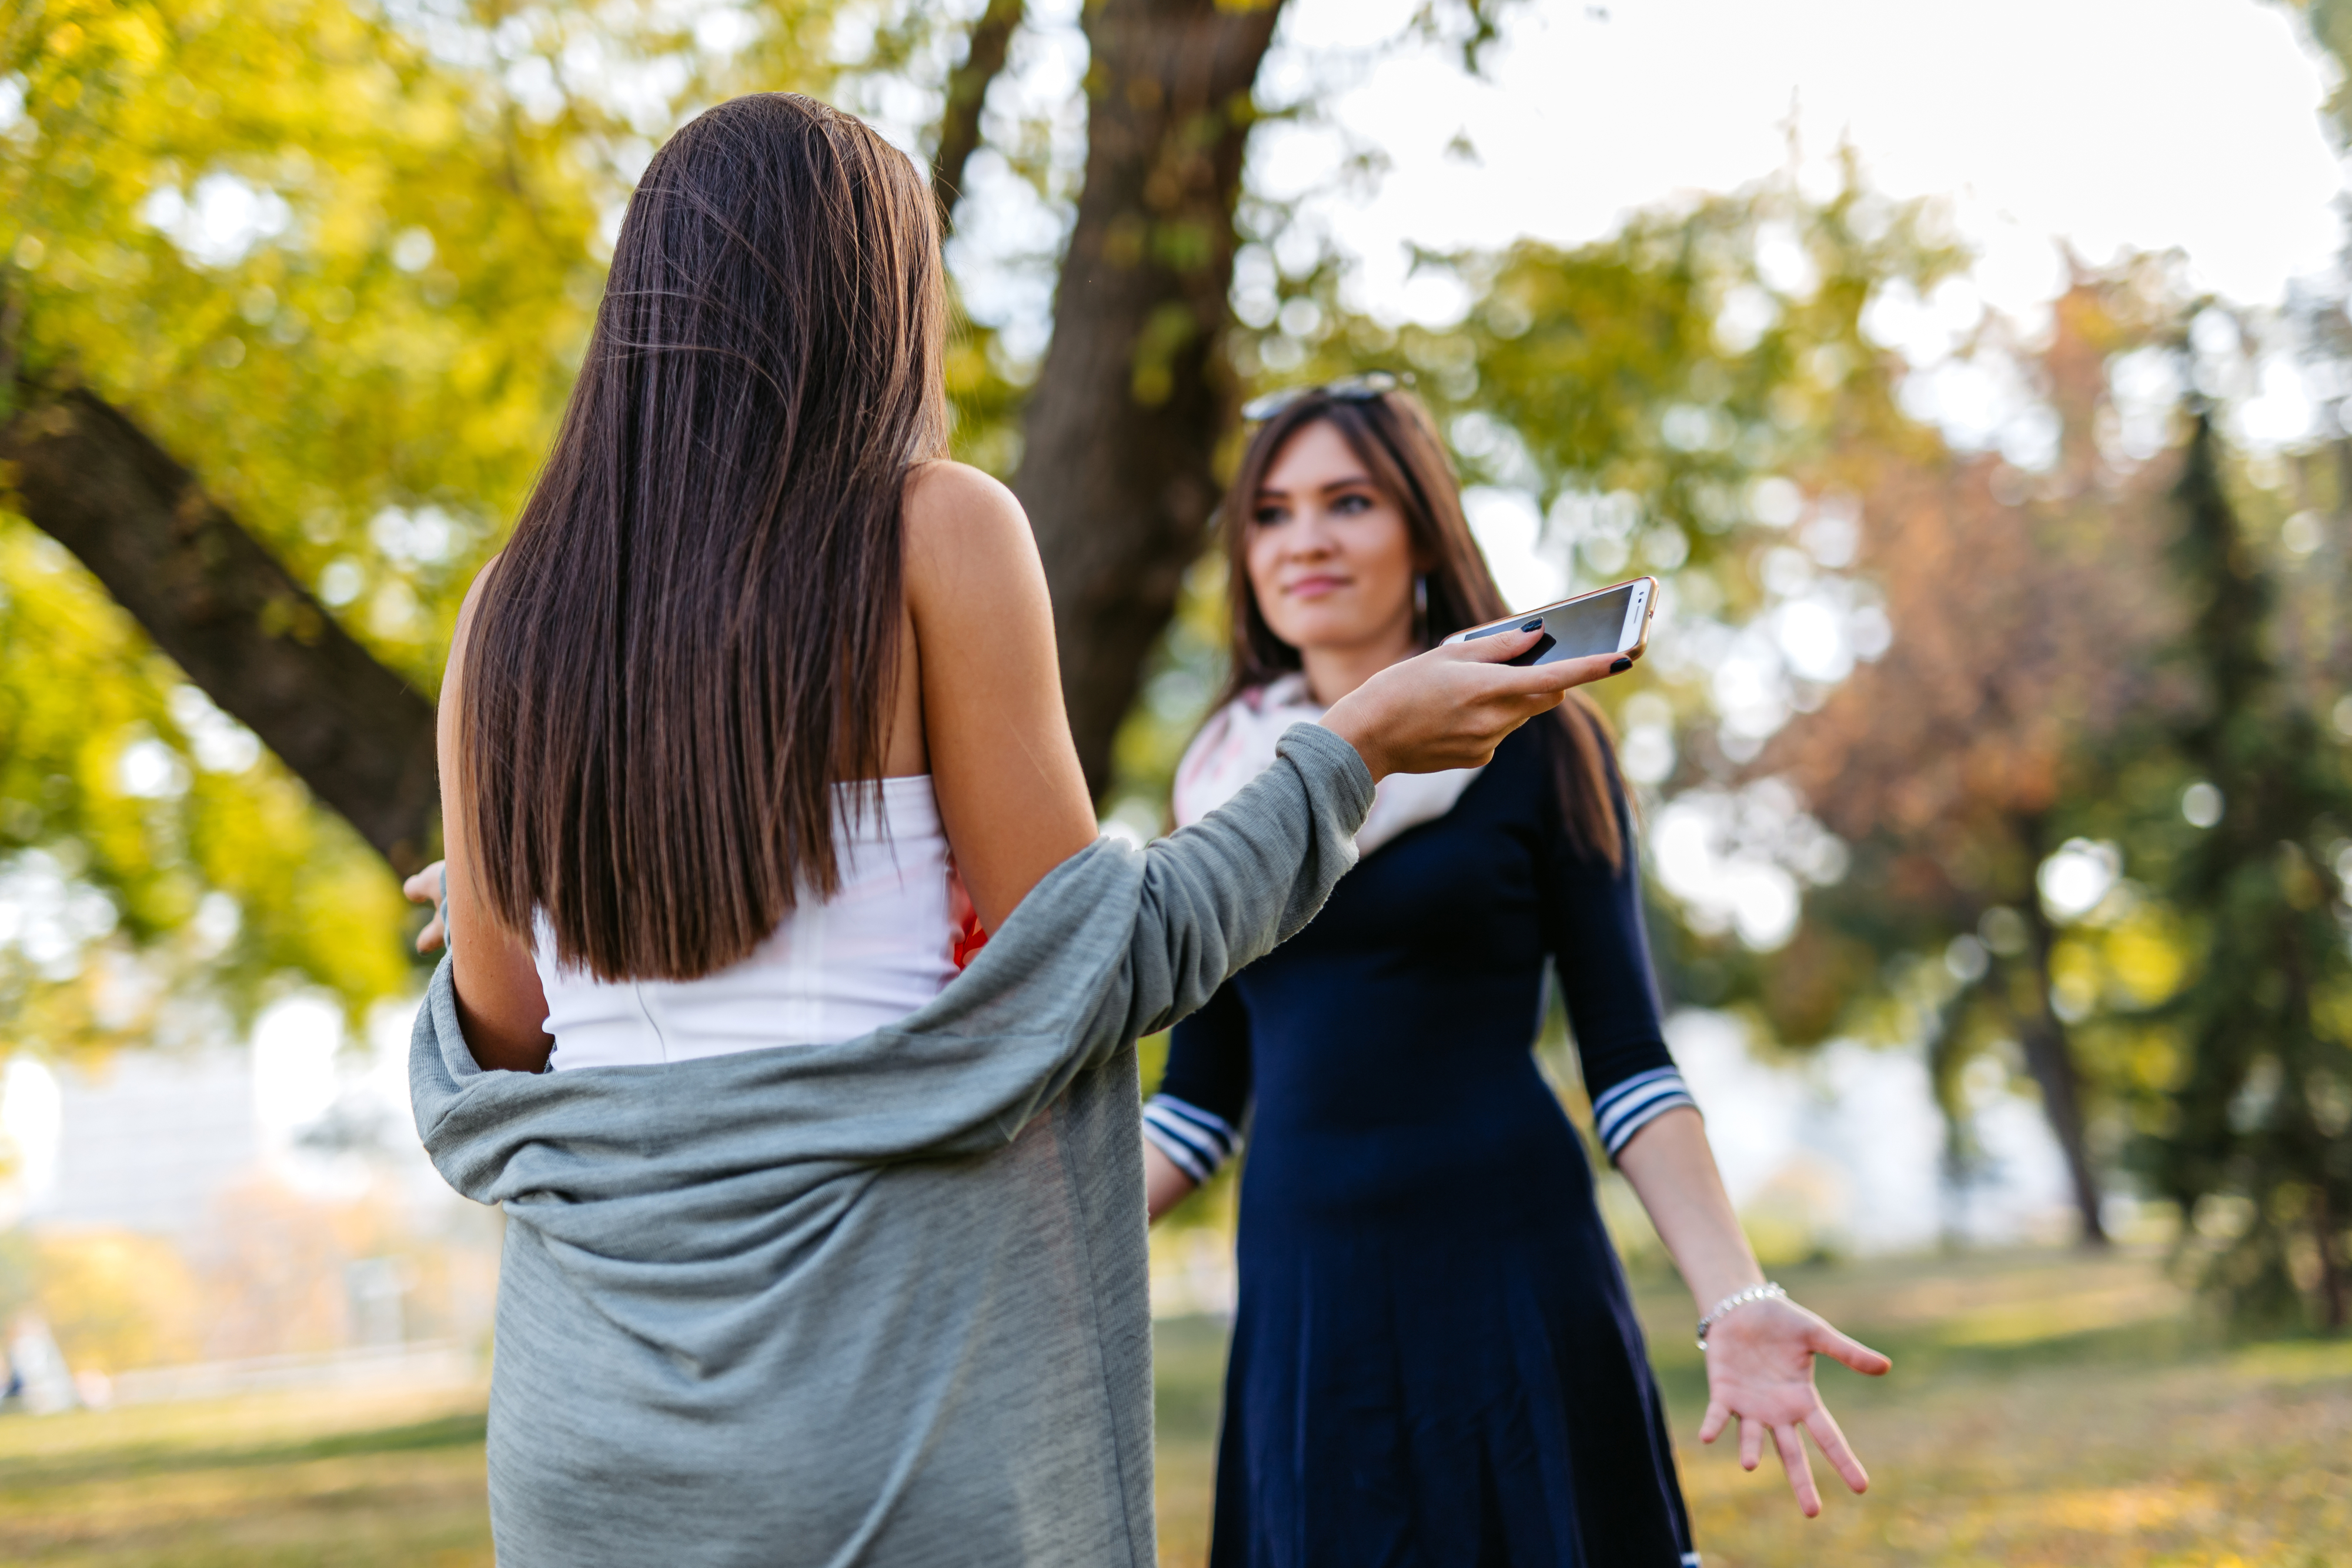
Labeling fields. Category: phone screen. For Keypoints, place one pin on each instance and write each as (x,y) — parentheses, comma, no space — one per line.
(1581,627)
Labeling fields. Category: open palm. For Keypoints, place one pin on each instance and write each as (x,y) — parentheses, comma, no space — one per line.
(1760,1370)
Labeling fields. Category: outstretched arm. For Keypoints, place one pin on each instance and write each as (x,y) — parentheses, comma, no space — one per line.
(1759,1356)
(1011,796)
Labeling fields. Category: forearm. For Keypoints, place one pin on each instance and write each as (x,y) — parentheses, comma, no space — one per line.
(1673,1172)
(1164,1184)
(1760,1359)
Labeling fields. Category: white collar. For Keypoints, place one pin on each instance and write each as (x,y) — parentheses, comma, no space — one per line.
(1237,745)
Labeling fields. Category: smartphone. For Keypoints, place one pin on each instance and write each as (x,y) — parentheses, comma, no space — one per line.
(1606,620)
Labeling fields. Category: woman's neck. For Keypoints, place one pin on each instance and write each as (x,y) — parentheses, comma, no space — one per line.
(1332,673)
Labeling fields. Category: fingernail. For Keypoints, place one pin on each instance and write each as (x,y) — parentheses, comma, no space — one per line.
(1621,666)
(1534,625)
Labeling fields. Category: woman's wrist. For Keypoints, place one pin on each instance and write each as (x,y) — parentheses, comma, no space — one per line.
(1710,1287)
(1746,1296)
(1716,1263)
(1343,721)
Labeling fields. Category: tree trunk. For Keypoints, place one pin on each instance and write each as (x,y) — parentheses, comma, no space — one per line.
(2052,1066)
(250,636)
(2050,1057)
(2334,1299)
(1116,470)
(2299,1042)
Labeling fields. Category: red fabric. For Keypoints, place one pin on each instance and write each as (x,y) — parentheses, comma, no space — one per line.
(969,940)
(969,937)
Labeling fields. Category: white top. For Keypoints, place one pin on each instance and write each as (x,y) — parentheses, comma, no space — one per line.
(870,954)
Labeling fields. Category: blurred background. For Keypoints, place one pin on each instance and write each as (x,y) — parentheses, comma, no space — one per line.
(1976,378)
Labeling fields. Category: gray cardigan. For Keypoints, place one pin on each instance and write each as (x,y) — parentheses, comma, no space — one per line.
(879,1302)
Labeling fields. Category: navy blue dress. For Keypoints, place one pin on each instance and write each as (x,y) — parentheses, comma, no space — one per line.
(1434,1360)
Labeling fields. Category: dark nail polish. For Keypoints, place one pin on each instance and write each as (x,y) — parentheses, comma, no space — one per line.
(1621,666)
(1534,625)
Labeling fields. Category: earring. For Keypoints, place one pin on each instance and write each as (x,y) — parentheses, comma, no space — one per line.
(1420,605)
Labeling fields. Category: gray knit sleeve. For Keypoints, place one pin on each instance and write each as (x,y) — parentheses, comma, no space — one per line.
(1232,887)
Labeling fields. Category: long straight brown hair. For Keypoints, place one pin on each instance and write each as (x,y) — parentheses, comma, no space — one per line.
(1393,435)
(694,633)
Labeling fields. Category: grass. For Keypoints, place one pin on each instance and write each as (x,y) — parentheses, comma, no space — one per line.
(1189,1366)
(2045,1410)
(357,1479)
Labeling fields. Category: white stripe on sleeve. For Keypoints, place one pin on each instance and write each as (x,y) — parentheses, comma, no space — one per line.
(1198,1141)
(1633,1104)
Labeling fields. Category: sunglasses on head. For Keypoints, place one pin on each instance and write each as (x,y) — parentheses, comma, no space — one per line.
(1369,387)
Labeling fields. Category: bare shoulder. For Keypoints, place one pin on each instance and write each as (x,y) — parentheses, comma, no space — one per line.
(473,598)
(959,519)
(942,487)
(453,674)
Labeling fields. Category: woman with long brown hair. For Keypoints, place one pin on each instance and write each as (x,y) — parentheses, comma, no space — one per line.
(1434,1360)
(822,1247)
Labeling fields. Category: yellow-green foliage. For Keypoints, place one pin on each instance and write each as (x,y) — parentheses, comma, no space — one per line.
(291,888)
(393,323)
(340,261)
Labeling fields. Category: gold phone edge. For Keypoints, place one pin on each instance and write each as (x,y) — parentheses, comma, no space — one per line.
(1641,644)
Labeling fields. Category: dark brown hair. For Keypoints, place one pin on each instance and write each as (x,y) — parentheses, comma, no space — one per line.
(694,632)
(1393,435)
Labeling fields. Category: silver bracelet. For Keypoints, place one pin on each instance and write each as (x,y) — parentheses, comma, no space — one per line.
(1766,1291)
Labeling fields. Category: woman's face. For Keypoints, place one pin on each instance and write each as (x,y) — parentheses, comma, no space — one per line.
(1330,558)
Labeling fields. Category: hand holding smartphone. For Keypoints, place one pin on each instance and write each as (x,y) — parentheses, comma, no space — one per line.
(1614,620)
(1451,706)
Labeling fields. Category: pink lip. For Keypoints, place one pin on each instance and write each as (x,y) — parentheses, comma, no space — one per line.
(1313,587)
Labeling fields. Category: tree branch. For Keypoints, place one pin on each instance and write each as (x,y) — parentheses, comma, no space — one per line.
(249,635)
(991,38)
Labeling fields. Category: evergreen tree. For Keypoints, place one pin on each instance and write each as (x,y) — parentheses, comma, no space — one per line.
(2261,1105)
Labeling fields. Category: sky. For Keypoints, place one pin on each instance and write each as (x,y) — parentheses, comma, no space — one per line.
(2106,123)
(2098,125)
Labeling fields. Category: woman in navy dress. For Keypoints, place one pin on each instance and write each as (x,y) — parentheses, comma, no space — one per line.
(1434,1360)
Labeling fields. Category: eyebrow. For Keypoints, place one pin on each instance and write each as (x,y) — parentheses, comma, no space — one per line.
(1352,481)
